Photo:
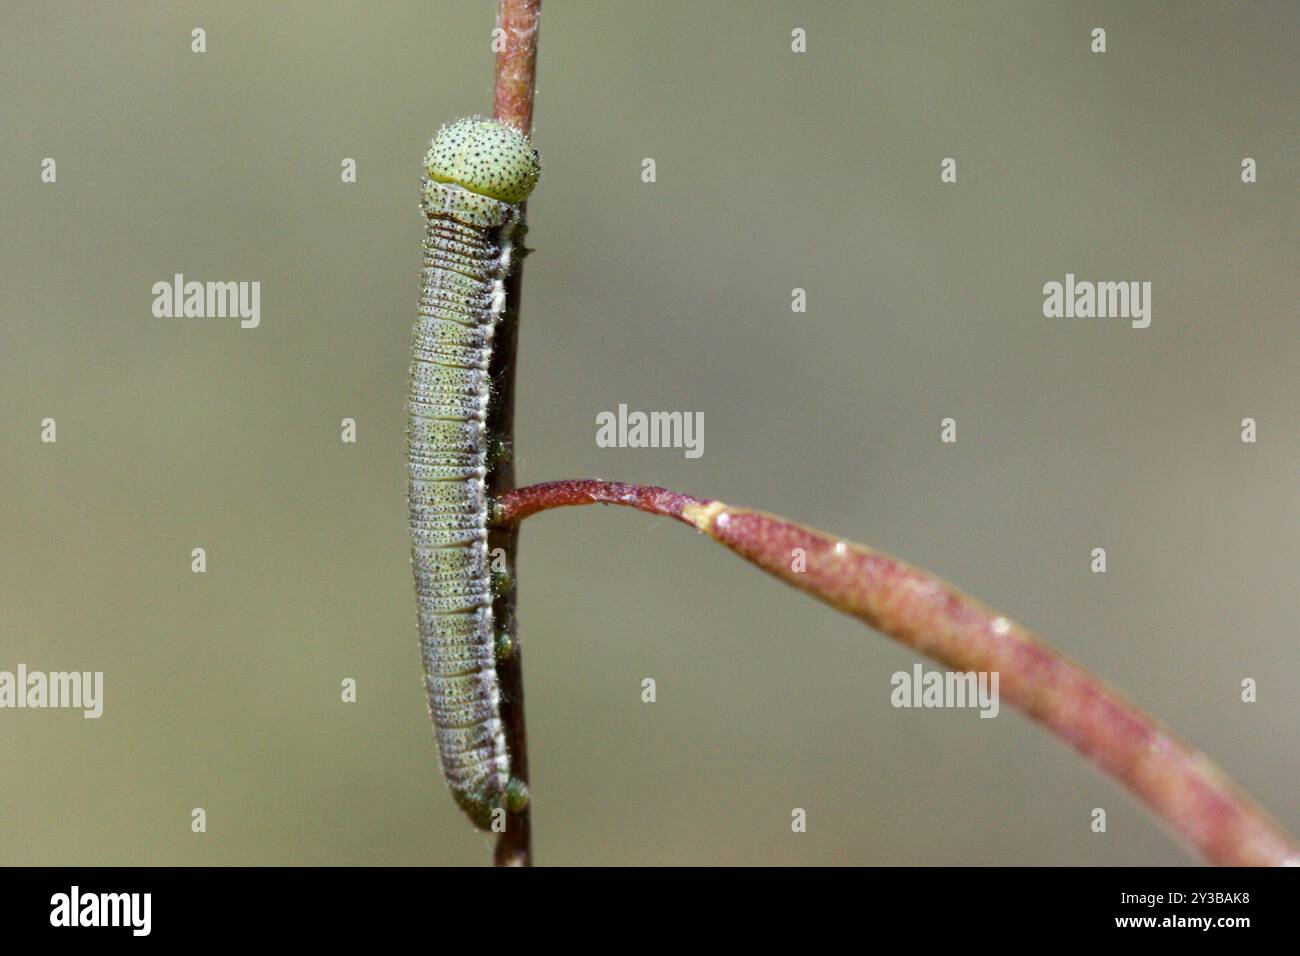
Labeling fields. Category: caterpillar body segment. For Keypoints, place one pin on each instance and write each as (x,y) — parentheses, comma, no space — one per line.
(477,174)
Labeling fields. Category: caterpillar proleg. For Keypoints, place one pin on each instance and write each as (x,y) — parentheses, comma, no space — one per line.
(477,173)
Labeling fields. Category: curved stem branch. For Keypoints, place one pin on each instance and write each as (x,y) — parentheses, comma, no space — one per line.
(1178,783)
(522,502)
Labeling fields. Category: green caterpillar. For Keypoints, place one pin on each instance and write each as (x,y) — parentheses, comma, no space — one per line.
(477,174)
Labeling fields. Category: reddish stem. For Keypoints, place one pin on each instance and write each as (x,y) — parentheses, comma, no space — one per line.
(516,72)
(516,68)
(522,502)
(1179,784)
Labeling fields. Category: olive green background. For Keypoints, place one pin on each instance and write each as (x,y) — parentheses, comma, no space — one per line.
(775,171)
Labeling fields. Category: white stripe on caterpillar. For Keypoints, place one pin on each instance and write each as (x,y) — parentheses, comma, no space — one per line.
(477,174)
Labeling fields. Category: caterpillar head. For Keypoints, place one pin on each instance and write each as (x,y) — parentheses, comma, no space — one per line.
(485,157)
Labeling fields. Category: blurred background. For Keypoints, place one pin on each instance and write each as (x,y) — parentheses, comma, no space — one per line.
(775,170)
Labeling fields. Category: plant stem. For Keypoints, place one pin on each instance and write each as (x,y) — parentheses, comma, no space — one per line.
(516,70)
(1180,785)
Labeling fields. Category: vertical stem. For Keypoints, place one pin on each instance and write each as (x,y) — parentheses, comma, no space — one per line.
(517,63)
(516,71)
(514,845)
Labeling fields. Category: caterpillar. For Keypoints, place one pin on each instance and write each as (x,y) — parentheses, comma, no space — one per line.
(477,174)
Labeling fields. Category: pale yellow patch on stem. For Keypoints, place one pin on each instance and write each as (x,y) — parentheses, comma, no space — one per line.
(702,515)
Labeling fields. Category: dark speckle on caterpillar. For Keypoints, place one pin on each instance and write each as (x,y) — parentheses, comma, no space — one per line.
(477,174)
